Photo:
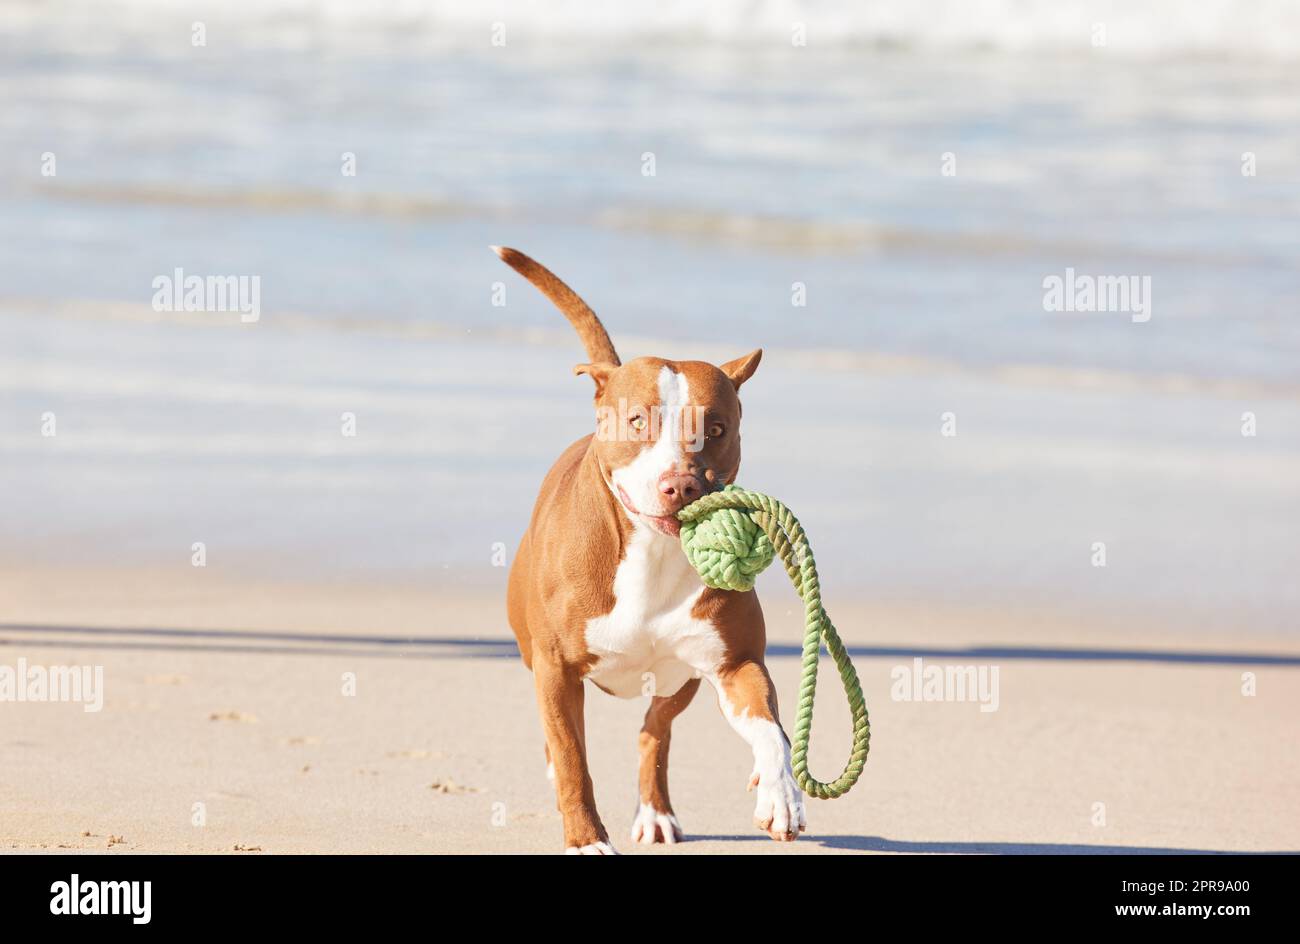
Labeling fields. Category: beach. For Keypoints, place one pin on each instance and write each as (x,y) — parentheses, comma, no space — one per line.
(229,695)
(380,555)
(280,532)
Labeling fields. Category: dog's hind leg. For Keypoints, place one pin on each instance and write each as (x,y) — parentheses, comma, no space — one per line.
(655,821)
(517,602)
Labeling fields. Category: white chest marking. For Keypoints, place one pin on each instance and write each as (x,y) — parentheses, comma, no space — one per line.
(649,644)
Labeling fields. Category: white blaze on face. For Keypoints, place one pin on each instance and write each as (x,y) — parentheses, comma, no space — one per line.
(640,477)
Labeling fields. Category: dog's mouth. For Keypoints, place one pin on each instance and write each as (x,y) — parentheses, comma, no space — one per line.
(664,524)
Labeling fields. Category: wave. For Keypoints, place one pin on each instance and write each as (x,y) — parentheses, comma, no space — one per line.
(817,360)
(1248,28)
(712,226)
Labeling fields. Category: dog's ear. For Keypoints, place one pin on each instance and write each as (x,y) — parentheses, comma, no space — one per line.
(599,372)
(742,368)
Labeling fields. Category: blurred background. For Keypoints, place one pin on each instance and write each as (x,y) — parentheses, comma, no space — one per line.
(775,163)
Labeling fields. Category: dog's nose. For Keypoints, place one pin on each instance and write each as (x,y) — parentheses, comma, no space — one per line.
(678,491)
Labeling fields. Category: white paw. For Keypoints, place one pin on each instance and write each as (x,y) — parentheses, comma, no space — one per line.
(550,771)
(596,848)
(779,809)
(651,826)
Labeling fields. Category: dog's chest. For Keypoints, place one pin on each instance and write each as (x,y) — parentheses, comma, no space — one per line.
(649,643)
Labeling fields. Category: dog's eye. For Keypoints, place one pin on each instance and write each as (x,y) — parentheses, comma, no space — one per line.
(637,422)
(716,431)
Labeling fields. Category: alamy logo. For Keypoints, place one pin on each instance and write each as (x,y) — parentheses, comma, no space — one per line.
(954,683)
(1127,293)
(181,292)
(75,897)
(72,683)
(628,422)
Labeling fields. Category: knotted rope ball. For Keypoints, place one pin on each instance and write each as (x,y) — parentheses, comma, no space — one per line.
(727,547)
(729,537)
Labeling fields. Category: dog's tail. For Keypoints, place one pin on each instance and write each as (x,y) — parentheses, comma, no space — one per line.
(594,337)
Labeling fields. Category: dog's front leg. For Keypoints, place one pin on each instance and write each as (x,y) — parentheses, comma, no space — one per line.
(560,701)
(748,700)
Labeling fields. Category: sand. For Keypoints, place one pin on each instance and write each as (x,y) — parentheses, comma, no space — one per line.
(225,729)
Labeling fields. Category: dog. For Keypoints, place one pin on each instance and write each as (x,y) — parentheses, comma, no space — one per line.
(601,591)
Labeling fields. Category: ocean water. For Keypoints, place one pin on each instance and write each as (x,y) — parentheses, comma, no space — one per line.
(775,166)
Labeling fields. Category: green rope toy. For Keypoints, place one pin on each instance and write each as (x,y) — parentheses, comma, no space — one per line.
(730,537)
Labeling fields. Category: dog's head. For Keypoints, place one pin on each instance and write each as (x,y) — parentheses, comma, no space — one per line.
(667,432)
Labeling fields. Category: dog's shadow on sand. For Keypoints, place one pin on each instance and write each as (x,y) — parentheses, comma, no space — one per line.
(881,844)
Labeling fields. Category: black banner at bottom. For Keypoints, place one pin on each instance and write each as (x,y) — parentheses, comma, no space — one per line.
(1224,894)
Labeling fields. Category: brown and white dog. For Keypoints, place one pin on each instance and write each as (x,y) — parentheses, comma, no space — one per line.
(600,589)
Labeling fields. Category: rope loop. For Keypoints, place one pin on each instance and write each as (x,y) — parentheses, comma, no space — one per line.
(730,537)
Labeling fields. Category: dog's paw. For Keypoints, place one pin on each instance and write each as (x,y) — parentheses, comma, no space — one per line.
(652,826)
(595,848)
(779,808)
